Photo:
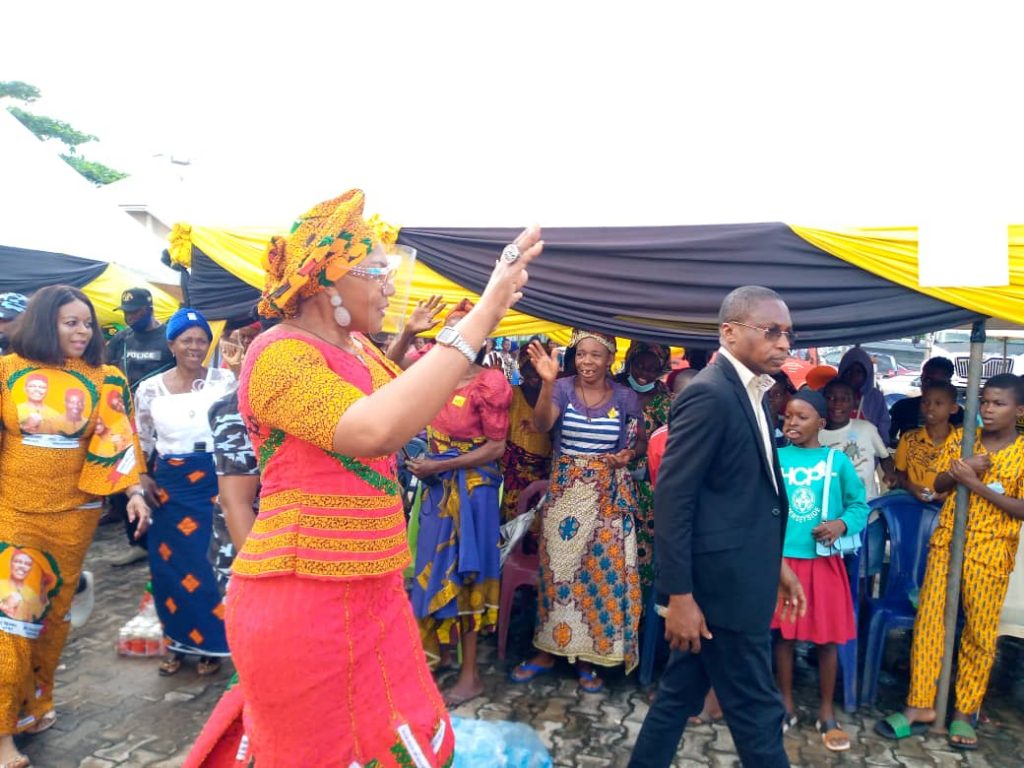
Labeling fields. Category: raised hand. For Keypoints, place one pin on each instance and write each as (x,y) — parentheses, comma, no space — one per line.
(505,287)
(426,315)
(545,364)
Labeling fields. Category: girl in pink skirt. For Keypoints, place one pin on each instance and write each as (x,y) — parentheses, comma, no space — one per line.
(826,502)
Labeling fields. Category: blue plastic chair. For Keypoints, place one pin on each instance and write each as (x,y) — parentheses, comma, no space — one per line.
(910,524)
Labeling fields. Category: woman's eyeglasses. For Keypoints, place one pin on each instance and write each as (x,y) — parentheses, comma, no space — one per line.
(771,333)
(380,275)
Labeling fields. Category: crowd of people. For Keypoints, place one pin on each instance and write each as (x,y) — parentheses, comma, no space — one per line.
(264,491)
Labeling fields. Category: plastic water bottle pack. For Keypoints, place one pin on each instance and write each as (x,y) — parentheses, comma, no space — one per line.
(497,744)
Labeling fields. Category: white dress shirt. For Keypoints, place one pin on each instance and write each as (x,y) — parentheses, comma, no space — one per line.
(755,386)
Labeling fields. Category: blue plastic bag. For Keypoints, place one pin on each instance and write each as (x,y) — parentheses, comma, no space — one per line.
(486,744)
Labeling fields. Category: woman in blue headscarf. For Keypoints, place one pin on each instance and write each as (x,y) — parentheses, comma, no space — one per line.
(174,431)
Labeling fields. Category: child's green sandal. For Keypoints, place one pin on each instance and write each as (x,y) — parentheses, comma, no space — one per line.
(965,735)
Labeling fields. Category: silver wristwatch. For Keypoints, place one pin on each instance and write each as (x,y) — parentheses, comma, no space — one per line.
(449,337)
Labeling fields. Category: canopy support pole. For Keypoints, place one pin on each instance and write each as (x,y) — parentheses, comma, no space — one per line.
(956,547)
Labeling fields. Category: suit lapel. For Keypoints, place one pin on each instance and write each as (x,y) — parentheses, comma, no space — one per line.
(741,394)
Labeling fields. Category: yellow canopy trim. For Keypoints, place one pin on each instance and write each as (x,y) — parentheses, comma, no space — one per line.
(105,294)
(240,252)
(891,253)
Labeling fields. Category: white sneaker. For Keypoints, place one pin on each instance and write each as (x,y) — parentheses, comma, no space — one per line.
(131,555)
(82,603)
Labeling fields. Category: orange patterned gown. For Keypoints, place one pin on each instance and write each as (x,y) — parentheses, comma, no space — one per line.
(321,631)
(67,440)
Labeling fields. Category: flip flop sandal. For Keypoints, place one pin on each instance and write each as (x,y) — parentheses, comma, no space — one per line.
(170,666)
(896,726)
(963,730)
(590,682)
(207,667)
(789,722)
(46,722)
(833,736)
(452,701)
(703,719)
(531,670)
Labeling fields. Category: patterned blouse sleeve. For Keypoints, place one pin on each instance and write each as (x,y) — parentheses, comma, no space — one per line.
(233,453)
(630,402)
(291,388)
(129,404)
(493,397)
(563,390)
(950,451)
(144,396)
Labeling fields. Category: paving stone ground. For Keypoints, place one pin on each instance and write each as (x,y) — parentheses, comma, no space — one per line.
(120,712)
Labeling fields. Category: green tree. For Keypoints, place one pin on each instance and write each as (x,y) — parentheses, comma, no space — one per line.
(47,128)
(15,89)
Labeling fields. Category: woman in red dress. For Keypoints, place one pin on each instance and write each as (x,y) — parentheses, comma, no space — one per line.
(324,639)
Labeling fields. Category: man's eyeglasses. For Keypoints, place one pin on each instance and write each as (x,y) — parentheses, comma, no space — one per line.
(380,275)
(772,333)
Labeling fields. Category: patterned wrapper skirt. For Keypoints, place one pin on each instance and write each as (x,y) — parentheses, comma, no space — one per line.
(829,617)
(456,586)
(333,674)
(590,601)
(521,468)
(41,556)
(185,590)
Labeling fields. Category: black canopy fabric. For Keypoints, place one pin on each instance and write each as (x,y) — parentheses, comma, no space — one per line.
(665,284)
(26,271)
(217,293)
(661,284)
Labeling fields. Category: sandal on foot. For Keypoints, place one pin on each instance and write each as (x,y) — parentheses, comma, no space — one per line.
(21,761)
(170,666)
(704,719)
(45,723)
(590,682)
(833,736)
(525,672)
(896,726)
(207,667)
(789,721)
(453,700)
(961,729)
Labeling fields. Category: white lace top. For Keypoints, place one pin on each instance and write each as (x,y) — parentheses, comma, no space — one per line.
(174,424)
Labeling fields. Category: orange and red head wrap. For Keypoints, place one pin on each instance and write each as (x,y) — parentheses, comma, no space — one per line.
(324,243)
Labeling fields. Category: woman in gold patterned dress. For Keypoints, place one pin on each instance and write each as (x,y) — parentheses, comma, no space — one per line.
(49,515)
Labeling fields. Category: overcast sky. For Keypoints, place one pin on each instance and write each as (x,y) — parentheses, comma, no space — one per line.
(565,113)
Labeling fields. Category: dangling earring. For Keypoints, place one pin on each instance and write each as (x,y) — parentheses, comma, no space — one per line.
(341,315)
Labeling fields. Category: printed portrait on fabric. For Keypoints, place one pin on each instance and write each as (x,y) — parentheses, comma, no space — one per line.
(114,430)
(52,402)
(28,581)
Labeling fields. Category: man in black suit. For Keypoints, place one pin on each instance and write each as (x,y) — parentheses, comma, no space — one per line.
(720,513)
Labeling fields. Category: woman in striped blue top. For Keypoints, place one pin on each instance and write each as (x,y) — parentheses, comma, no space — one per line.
(589,595)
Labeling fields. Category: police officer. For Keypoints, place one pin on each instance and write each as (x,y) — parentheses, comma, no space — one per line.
(140,350)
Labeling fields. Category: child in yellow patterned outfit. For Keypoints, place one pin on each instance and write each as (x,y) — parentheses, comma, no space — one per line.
(919,449)
(995,478)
